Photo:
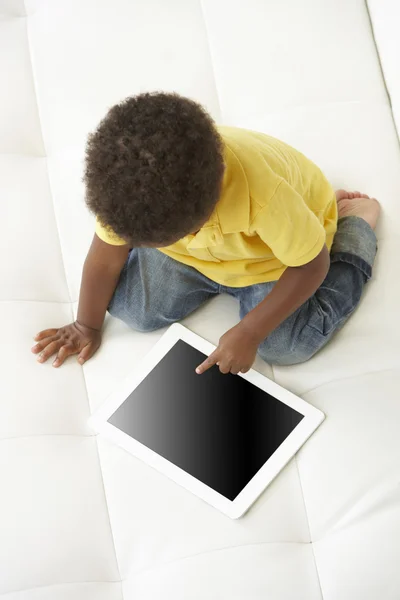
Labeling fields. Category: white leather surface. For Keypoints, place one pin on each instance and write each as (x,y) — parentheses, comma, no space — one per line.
(81,519)
(385,18)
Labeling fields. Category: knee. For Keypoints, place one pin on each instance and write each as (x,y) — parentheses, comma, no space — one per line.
(143,325)
(287,354)
(135,319)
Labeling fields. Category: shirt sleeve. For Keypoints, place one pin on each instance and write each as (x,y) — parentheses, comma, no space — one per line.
(107,235)
(290,228)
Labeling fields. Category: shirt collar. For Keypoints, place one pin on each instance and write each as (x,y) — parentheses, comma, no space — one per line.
(232,212)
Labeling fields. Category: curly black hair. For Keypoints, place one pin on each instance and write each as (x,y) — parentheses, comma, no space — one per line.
(154,168)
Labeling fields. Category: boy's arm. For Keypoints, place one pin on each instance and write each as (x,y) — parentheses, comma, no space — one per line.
(295,287)
(238,346)
(101,271)
(100,276)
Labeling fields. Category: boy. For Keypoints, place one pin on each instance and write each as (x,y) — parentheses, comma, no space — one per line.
(186,210)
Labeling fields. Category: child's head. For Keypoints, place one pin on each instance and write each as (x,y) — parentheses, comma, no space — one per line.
(154,169)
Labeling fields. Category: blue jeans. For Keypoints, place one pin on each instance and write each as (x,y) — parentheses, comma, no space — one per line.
(155,291)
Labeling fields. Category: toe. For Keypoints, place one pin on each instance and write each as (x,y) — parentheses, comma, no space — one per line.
(341,195)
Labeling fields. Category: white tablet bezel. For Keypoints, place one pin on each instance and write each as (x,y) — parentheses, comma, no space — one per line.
(236,508)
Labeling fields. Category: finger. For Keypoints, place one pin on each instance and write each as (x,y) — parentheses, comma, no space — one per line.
(235,369)
(87,352)
(208,363)
(245,369)
(44,334)
(225,367)
(42,345)
(63,353)
(51,349)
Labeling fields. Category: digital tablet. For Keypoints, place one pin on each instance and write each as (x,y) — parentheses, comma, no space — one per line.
(222,437)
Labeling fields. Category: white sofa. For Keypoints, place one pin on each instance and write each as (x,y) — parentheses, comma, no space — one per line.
(79,518)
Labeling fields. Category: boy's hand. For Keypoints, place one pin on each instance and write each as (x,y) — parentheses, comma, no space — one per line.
(72,339)
(236,352)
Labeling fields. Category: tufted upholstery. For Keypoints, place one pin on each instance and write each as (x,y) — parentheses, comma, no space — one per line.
(81,519)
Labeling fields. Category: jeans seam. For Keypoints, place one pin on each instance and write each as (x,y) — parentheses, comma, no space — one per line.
(355,261)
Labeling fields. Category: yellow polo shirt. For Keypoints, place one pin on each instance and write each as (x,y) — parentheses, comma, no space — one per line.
(276,210)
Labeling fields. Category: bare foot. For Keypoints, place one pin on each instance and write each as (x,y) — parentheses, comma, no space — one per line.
(355,204)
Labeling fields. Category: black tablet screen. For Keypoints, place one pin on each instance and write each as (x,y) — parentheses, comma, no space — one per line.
(219,428)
